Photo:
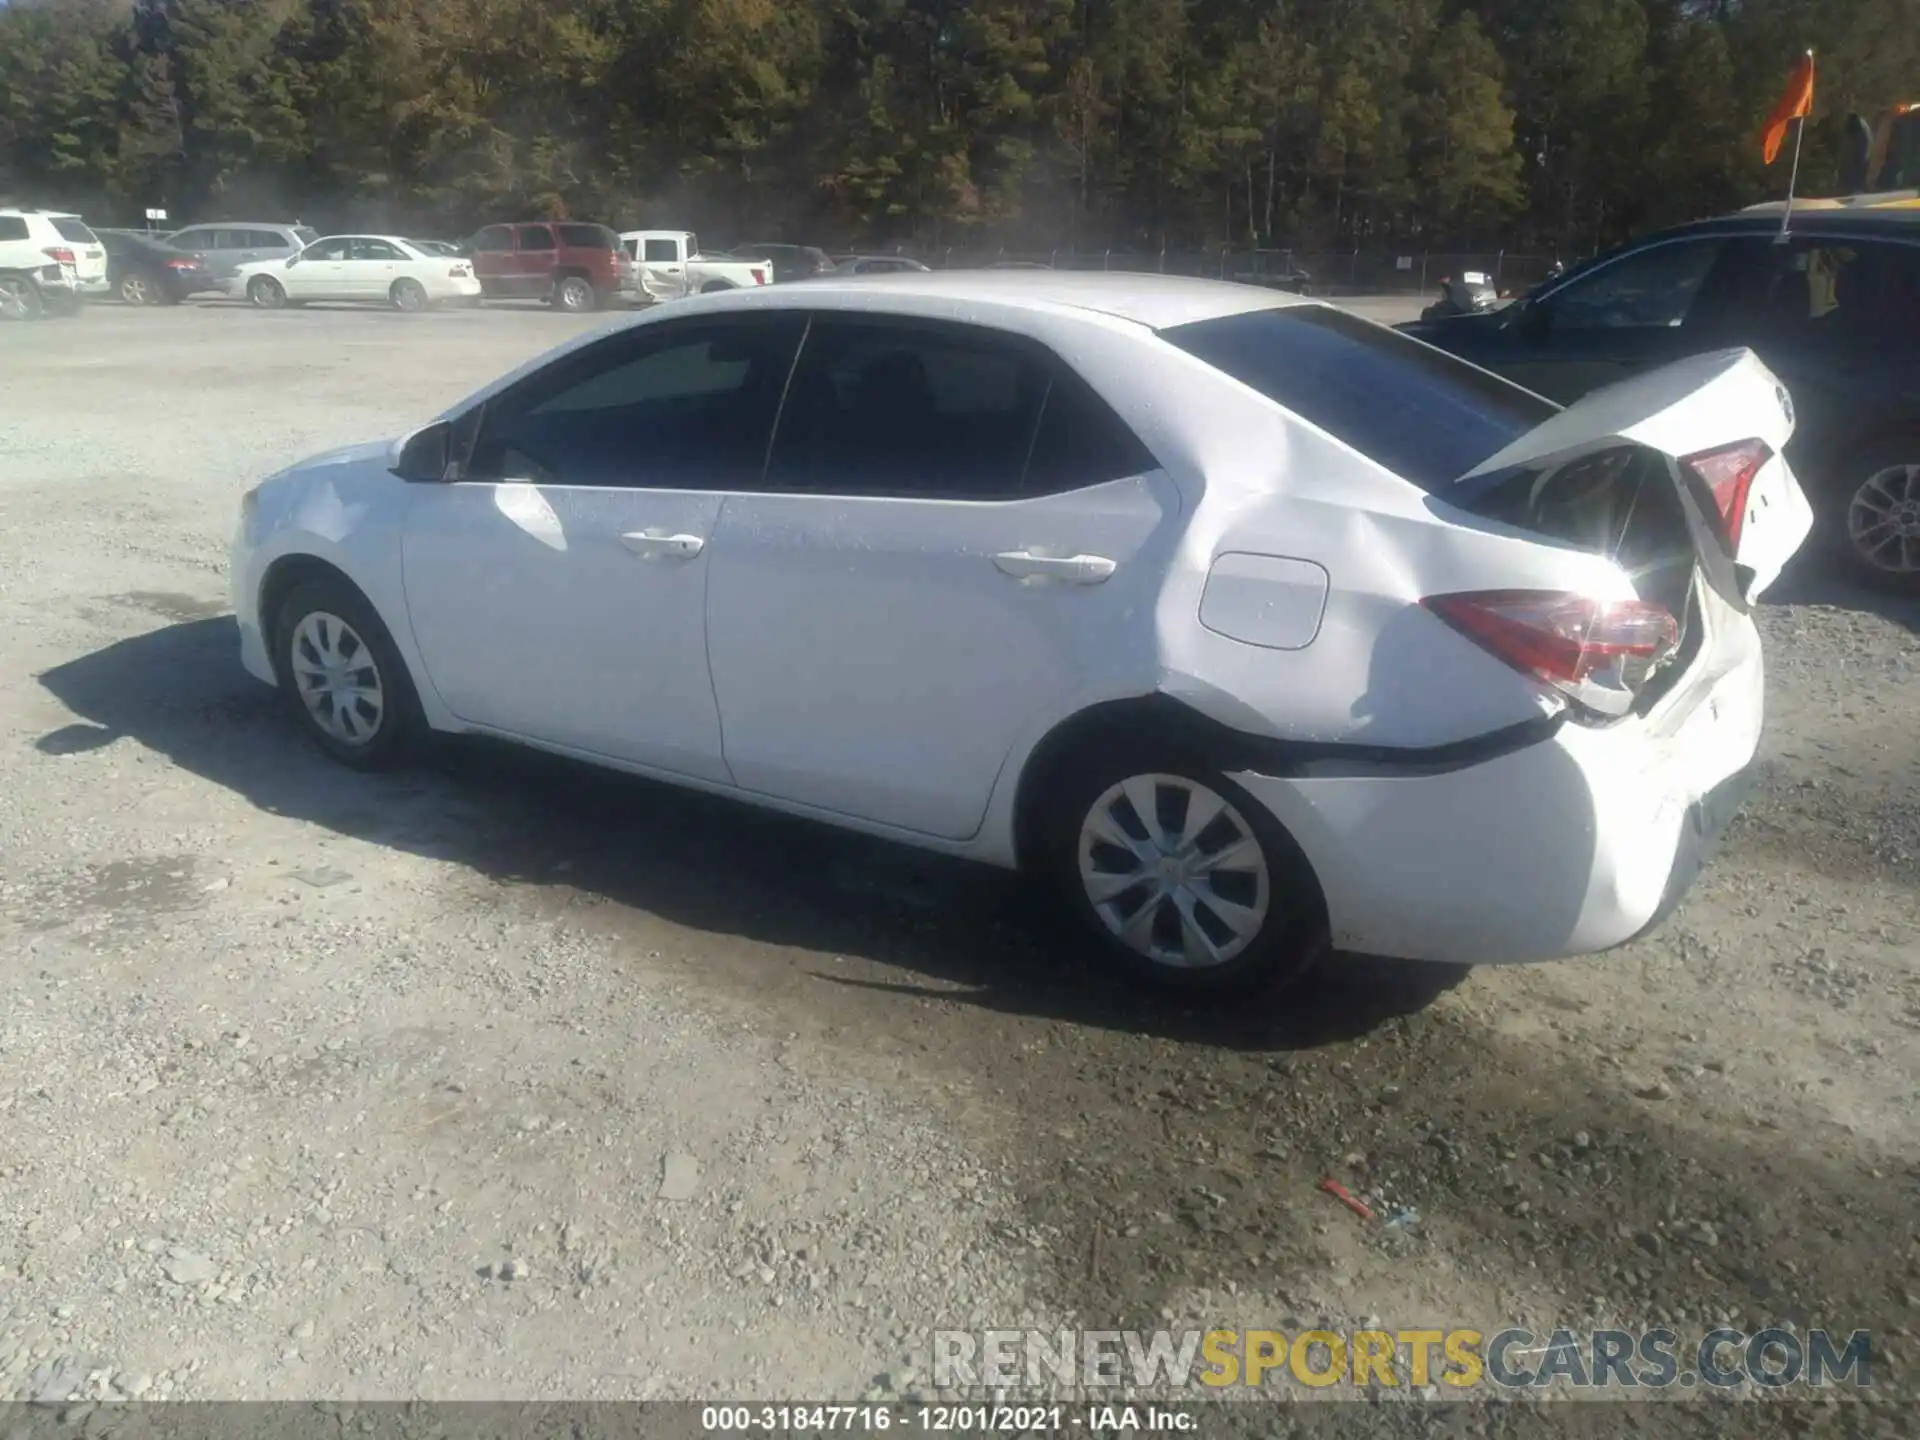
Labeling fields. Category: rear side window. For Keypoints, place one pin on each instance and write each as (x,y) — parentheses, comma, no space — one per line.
(1081,441)
(536,237)
(659,251)
(12,227)
(270,240)
(588,237)
(304,235)
(72,229)
(494,240)
(924,410)
(1406,406)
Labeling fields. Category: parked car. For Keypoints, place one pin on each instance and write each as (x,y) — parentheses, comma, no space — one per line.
(670,264)
(144,270)
(381,268)
(226,246)
(876,265)
(790,262)
(1834,310)
(1018,265)
(49,263)
(435,247)
(1246,620)
(571,266)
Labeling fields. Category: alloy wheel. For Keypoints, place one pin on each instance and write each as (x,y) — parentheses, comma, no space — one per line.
(135,290)
(1883,520)
(1174,871)
(18,301)
(337,679)
(575,294)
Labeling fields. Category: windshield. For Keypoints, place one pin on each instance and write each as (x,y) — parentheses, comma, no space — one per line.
(1406,406)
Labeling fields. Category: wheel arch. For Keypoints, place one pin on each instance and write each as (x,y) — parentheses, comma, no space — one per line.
(289,571)
(714,287)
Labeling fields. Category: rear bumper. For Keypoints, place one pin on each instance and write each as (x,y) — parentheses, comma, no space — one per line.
(1571,846)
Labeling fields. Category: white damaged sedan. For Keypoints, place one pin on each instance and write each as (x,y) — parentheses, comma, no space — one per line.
(1250,623)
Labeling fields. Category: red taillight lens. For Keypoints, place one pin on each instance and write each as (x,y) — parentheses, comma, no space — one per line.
(1729,473)
(1599,652)
(183,264)
(759,277)
(60,255)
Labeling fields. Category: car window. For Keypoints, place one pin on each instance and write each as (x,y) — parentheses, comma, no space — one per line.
(1081,441)
(919,408)
(536,237)
(13,227)
(334,249)
(270,240)
(72,229)
(1651,288)
(662,251)
(588,237)
(305,236)
(494,240)
(1415,410)
(1821,292)
(189,240)
(364,249)
(687,405)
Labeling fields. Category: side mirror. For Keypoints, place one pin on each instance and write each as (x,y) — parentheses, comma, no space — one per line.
(426,455)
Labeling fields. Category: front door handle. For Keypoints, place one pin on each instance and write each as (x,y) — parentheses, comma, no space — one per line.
(1074,569)
(655,542)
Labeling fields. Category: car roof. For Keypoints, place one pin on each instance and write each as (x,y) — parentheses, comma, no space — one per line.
(1863,221)
(1156,301)
(243,225)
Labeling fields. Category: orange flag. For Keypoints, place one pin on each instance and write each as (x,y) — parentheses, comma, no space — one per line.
(1795,104)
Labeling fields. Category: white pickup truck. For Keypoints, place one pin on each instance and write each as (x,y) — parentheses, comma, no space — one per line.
(670,265)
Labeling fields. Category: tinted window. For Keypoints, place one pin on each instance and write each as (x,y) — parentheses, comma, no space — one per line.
(1651,288)
(685,406)
(190,240)
(494,239)
(374,250)
(536,237)
(1416,411)
(71,229)
(335,249)
(662,251)
(12,227)
(269,240)
(1820,292)
(589,237)
(1081,441)
(908,409)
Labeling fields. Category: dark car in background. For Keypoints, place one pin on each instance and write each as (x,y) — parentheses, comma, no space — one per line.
(143,269)
(877,265)
(790,262)
(571,265)
(1832,307)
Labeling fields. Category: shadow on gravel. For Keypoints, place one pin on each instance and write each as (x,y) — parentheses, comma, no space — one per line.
(971,934)
(1806,584)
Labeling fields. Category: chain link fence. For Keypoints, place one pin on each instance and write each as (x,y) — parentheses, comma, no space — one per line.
(1323,272)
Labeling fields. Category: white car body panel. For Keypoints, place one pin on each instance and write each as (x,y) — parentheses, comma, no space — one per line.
(686,271)
(866,660)
(317,276)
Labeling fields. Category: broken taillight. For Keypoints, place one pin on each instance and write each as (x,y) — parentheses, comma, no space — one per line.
(759,276)
(61,255)
(1729,473)
(1598,653)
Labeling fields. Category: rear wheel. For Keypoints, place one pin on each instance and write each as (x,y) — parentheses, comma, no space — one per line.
(19,298)
(574,294)
(1875,525)
(408,295)
(340,670)
(1181,877)
(138,288)
(265,292)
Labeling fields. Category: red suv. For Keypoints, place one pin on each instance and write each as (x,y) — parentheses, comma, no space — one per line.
(569,265)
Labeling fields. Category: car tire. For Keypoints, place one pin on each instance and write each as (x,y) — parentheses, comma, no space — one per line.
(322,629)
(1873,518)
(408,295)
(19,299)
(575,295)
(136,287)
(266,293)
(1258,921)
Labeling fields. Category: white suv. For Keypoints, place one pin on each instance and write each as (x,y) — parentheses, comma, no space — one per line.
(49,263)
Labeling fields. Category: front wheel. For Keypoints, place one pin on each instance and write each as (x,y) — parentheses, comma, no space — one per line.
(340,670)
(266,293)
(19,298)
(408,295)
(1876,530)
(1183,879)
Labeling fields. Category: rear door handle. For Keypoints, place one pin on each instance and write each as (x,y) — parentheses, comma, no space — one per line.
(1074,569)
(654,542)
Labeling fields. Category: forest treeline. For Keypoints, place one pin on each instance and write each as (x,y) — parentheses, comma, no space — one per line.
(1556,124)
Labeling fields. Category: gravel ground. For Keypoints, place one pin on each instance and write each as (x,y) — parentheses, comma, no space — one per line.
(507,1080)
